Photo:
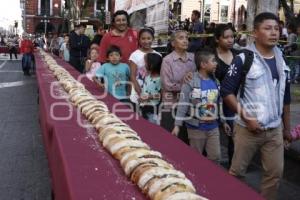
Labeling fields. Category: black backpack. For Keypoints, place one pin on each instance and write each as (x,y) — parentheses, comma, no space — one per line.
(249,57)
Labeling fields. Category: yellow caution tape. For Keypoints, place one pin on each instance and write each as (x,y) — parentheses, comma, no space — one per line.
(292,56)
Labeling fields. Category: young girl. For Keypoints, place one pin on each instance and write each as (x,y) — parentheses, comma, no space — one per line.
(224,38)
(137,62)
(150,94)
(91,64)
(64,49)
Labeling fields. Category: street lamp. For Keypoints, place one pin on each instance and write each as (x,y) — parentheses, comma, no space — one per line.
(218,3)
(202,10)
(45,21)
(177,8)
(102,13)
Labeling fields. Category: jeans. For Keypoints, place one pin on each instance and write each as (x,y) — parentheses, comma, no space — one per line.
(13,50)
(26,62)
(295,70)
(230,121)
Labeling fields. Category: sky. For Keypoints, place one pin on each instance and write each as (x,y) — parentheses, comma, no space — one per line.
(9,12)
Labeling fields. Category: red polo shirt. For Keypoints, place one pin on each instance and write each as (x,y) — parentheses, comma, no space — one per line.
(128,44)
(26,46)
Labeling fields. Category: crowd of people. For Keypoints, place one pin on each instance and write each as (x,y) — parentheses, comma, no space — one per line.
(12,43)
(196,95)
(196,92)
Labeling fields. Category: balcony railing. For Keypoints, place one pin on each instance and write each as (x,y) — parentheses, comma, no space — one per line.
(45,12)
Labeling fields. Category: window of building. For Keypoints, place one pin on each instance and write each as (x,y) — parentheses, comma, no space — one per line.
(224,13)
(207,9)
(45,7)
(99,9)
(100,4)
(177,9)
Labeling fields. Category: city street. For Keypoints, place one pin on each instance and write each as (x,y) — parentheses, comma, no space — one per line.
(23,164)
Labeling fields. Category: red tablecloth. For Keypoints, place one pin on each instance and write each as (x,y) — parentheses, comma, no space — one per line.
(4,49)
(82,169)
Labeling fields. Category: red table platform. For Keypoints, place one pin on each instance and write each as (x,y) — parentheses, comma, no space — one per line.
(4,49)
(81,169)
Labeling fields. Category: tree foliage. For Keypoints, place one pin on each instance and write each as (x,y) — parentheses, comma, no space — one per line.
(76,9)
(288,10)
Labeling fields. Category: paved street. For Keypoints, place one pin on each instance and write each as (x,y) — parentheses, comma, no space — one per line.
(23,164)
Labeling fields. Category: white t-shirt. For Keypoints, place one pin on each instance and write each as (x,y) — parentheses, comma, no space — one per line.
(65,51)
(92,72)
(138,57)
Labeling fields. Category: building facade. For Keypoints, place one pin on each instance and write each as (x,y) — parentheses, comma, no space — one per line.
(56,16)
(218,11)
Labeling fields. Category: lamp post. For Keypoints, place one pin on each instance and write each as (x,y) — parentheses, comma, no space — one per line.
(102,13)
(45,21)
(202,10)
(218,3)
(23,3)
(177,8)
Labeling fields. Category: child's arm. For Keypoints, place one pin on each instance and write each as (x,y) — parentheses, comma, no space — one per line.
(175,130)
(100,73)
(182,108)
(61,51)
(133,71)
(128,86)
(88,65)
(96,80)
(222,121)
(128,89)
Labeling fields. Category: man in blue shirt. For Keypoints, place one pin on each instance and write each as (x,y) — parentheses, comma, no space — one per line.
(196,27)
(263,107)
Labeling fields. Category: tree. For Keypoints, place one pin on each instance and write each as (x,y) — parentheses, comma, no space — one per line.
(254,7)
(75,10)
(288,10)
